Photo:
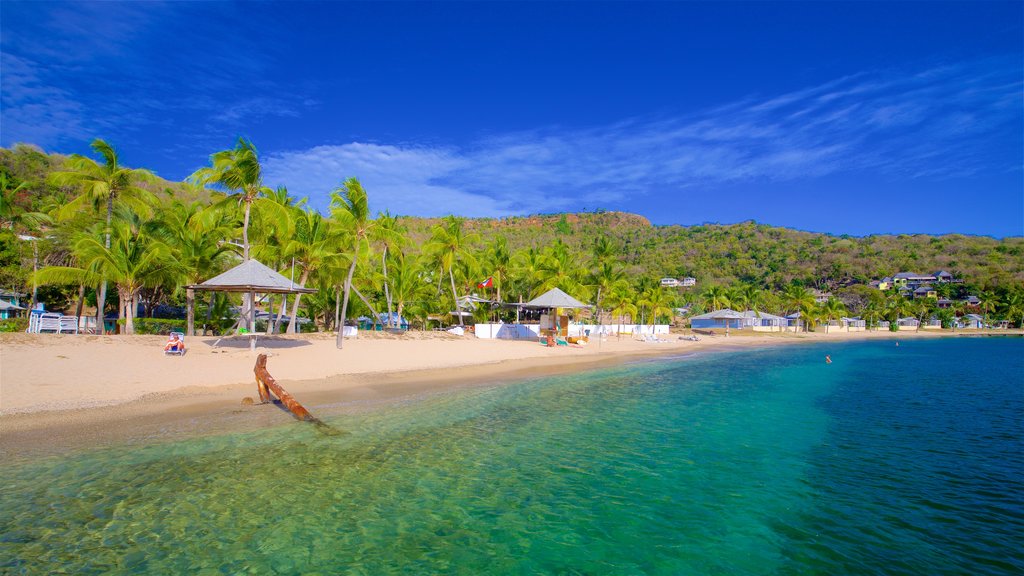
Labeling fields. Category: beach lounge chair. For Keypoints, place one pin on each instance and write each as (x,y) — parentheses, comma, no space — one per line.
(178,350)
(68,325)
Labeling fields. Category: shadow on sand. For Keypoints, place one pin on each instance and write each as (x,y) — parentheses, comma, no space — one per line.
(269,342)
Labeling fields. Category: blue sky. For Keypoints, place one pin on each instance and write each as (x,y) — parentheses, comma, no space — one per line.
(849,118)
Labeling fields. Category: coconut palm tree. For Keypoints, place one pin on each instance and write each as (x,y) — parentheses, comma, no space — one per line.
(406,280)
(653,302)
(607,273)
(239,172)
(498,258)
(134,259)
(193,232)
(350,209)
(12,214)
(389,234)
(108,183)
(832,309)
(450,243)
(621,300)
(311,248)
(560,269)
(715,298)
(1013,306)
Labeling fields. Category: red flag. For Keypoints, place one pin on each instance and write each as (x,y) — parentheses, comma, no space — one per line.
(486,283)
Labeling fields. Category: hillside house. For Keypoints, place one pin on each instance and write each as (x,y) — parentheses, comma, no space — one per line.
(925,291)
(688,282)
(669,283)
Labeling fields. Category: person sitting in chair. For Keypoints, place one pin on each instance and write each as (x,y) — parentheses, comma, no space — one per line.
(175,344)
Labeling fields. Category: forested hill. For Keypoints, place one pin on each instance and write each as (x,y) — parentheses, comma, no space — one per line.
(758,253)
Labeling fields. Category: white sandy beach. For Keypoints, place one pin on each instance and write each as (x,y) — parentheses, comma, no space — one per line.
(70,385)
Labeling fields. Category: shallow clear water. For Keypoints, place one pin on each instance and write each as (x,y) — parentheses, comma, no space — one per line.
(890,460)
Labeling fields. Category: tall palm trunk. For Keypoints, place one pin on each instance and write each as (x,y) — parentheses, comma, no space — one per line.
(344,303)
(209,312)
(455,298)
(247,300)
(101,297)
(387,292)
(295,305)
(81,300)
(190,313)
(281,312)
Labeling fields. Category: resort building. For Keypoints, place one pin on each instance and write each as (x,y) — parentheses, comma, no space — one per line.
(669,282)
(10,304)
(688,282)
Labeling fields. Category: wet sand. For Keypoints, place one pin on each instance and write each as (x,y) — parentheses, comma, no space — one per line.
(66,392)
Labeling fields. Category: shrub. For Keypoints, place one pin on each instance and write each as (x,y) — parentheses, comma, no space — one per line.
(14,325)
(156,325)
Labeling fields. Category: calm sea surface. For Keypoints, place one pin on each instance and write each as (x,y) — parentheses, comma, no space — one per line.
(890,460)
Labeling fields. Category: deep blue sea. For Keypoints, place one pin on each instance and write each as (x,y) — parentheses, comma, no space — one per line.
(890,460)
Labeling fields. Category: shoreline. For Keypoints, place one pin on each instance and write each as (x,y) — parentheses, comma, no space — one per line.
(192,410)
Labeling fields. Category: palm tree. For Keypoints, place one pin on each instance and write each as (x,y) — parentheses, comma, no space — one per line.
(653,302)
(621,300)
(1013,306)
(12,214)
(714,298)
(799,299)
(313,244)
(832,309)
(560,269)
(450,243)
(350,208)
(498,258)
(896,306)
(133,260)
(108,183)
(194,234)
(406,281)
(237,170)
(389,234)
(606,275)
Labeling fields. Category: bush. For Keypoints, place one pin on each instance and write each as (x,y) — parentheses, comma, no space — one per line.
(14,325)
(156,325)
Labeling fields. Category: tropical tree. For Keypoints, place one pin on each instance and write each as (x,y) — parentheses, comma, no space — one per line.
(560,269)
(714,298)
(621,301)
(654,302)
(237,171)
(607,273)
(498,259)
(389,235)
(13,215)
(1013,307)
(407,283)
(350,209)
(108,183)
(133,260)
(450,243)
(311,247)
(832,309)
(193,232)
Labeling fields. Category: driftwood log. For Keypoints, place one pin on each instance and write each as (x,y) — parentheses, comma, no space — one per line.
(266,384)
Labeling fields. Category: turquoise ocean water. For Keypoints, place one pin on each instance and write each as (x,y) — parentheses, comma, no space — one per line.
(890,460)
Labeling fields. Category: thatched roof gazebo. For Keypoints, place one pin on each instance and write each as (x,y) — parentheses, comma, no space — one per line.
(249,277)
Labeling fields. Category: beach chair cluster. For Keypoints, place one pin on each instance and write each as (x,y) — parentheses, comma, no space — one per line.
(52,322)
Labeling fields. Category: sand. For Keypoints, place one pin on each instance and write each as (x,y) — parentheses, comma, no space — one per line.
(66,391)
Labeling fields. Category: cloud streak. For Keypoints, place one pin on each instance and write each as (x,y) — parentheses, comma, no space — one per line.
(937,123)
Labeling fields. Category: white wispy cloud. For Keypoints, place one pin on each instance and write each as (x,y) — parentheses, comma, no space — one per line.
(935,123)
